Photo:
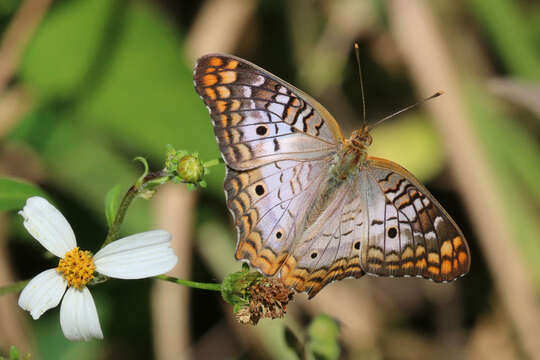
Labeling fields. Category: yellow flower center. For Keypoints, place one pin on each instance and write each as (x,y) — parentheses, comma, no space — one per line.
(77,267)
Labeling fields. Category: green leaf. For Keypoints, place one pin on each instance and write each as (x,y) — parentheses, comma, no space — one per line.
(13,353)
(13,193)
(68,39)
(323,334)
(112,202)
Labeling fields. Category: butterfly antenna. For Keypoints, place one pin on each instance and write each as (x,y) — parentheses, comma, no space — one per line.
(357,53)
(437,94)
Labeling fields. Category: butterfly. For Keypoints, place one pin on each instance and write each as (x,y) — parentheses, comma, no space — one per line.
(310,205)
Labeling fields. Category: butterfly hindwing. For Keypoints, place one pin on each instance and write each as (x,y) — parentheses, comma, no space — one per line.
(328,249)
(267,204)
(258,118)
(408,233)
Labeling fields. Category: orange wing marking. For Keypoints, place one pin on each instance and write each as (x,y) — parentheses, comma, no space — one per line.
(215,61)
(227,77)
(232,64)
(209,79)
(223,91)
(210,93)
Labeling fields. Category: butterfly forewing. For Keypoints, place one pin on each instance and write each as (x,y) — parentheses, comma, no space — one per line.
(259,118)
(277,143)
(408,233)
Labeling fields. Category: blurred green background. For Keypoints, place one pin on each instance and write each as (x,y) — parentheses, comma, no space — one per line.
(87,85)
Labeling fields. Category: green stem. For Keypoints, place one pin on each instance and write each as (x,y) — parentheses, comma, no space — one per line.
(133,191)
(18,286)
(211,163)
(192,284)
(114,230)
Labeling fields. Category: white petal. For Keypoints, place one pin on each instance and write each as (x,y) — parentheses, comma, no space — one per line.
(48,226)
(42,293)
(78,316)
(137,256)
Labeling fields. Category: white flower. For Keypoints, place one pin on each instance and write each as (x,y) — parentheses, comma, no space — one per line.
(134,257)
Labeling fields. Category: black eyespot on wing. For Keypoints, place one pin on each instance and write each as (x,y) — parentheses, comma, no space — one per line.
(357,245)
(261,130)
(259,190)
(392,232)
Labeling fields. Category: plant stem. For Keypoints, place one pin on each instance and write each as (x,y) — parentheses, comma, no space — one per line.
(192,284)
(211,163)
(18,286)
(119,218)
(133,191)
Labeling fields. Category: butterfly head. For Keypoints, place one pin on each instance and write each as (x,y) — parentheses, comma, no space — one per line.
(361,139)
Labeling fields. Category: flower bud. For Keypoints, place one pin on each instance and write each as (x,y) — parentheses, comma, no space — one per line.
(190,168)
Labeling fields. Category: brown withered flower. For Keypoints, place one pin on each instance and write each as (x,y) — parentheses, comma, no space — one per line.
(269,299)
(255,296)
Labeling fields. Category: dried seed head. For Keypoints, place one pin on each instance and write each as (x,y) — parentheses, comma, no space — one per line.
(269,299)
(243,315)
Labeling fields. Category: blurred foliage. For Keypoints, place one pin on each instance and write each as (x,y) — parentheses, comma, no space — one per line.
(109,84)
(513,153)
(13,193)
(512,150)
(513,35)
(14,354)
(295,343)
(420,138)
(324,338)
(8,7)
(121,76)
(321,341)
